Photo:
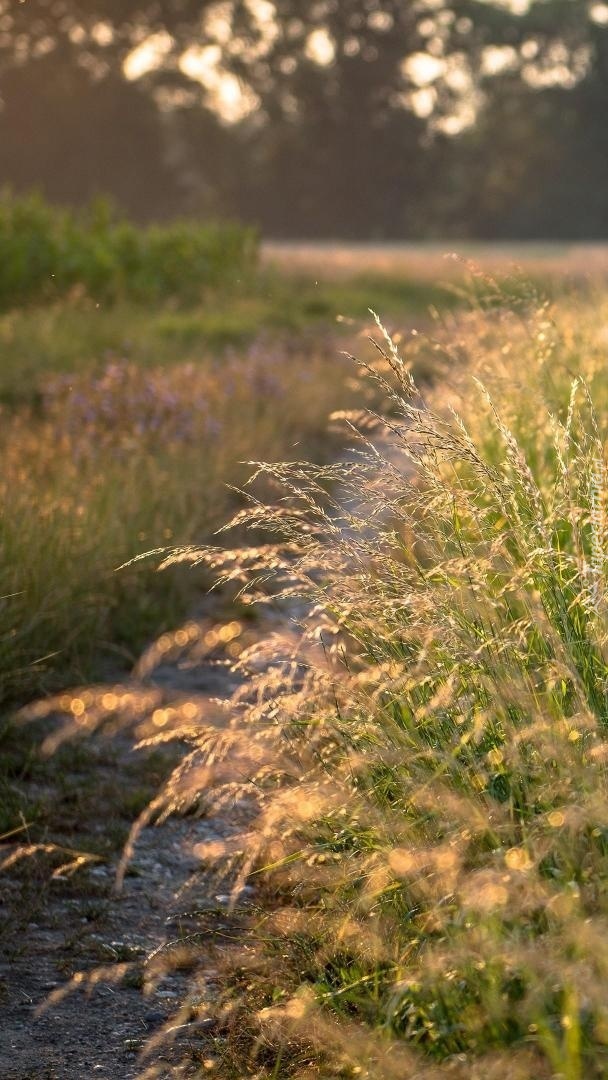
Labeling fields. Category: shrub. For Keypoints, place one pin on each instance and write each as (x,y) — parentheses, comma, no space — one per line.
(47,252)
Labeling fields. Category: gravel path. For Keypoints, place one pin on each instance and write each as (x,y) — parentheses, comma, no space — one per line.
(83,925)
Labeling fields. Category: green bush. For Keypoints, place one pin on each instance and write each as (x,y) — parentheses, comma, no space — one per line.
(47,252)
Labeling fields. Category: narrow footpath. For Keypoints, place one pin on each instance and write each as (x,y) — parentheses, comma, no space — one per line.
(78,923)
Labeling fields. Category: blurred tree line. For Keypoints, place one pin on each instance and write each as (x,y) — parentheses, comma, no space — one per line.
(346,118)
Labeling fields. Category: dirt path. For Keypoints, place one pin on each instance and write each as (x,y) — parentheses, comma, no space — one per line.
(53,929)
(77,923)
(101,1033)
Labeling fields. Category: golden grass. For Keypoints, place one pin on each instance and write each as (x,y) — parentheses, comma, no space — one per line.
(107,463)
(423,746)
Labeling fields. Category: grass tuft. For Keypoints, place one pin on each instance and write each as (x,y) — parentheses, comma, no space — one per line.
(426,745)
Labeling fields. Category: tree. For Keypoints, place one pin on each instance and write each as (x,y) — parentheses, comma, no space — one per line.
(326,117)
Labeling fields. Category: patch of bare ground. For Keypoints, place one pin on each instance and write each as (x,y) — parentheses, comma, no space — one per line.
(73,926)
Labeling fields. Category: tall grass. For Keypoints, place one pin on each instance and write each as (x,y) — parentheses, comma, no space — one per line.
(103,464)
(426,745)
(422,741)
(76,334)
(47,252)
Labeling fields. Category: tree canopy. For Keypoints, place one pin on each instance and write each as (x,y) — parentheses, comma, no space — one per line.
(315,117)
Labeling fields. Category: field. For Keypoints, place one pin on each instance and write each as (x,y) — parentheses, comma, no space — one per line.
(100,463)
(110,405)
(399,812)
(439,262)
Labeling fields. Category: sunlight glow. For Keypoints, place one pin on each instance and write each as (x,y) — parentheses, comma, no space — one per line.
(148,55)
(423,102)
(263,12)
(497,59)
(320,47)
(517,7)
(560,68)
(422,69)
(459,121)
(544,78)
(201,64)
(599,14)
(458,76)
(529,49)
(102,34)
(231,98)
(217,22)
(382,21)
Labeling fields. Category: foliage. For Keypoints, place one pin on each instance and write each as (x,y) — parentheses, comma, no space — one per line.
(426,744)
(237,113)
(48,252)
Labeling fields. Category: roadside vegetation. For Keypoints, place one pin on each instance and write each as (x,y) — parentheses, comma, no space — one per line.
(421,745)
(140,368)
(428,750)
(103,465)
(126,417)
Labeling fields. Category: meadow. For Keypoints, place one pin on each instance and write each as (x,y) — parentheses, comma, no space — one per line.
(418,888)
(140,368)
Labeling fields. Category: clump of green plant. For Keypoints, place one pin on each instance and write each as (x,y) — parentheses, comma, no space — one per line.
(426,741)
(47,252)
